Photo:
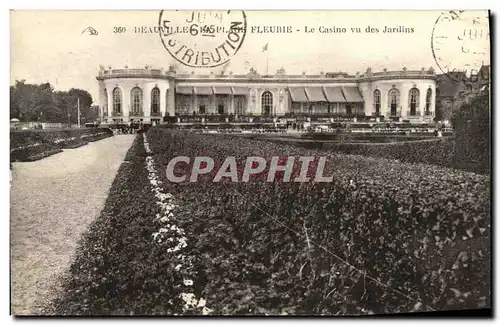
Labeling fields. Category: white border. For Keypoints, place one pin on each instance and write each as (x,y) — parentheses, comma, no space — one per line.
(224,4)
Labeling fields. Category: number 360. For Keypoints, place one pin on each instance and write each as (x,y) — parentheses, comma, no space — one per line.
(119,29)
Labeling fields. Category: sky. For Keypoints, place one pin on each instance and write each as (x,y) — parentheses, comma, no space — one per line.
(49,46)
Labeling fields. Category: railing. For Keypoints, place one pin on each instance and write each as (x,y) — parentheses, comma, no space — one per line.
(327,76)
(155,113)
(136,113)
(395,114)
(409,114)
(126,72)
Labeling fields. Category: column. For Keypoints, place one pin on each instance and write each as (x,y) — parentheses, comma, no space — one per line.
(163,101)
(109,103)
(433,102)
(403,101)
(126,102)
(171,97)
(421,105)
(196,104)
(146,101)
(231,104)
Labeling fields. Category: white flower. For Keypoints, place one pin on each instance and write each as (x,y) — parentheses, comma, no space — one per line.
(206,311)
(188,282)
(202,302)
(178,267)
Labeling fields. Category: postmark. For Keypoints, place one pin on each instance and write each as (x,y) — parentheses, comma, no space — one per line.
(460,42)
(202,39)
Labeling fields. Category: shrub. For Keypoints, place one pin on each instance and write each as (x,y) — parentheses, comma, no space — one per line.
(43,143)
(383,237)
(412,234)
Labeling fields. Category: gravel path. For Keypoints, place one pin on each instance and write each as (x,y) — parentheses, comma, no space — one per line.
(53,201)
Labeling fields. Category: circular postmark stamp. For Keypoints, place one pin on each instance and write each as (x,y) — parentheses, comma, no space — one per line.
(202,39)
(460,42)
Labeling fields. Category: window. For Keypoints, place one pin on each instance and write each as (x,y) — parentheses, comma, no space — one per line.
(376,100)
(393,101)
(203,104)
(220,104)
(136,100)
(296,107)
(348,109)
(182,104)
(413,97)
(117,101)
(267,103)
(239,104)
(428,99)
(155,100)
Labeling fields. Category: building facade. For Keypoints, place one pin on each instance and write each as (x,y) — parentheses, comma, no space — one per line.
(148,95)
(456,89)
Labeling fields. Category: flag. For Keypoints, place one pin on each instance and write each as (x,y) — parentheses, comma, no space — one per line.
(265,47)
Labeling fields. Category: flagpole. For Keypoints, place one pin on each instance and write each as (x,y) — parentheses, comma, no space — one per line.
(78,108)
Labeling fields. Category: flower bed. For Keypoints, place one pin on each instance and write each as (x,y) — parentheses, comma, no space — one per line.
(383,237)
(118,270)
(441,152)
(43,143)
(33,152)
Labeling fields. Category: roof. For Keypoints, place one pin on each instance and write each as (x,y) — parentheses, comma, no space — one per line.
(222,90)
(298,94)
(352,95)
(449,88)
(186,90)
(240,90)
(484,72)
(203,90)
(334,95)
(315,94)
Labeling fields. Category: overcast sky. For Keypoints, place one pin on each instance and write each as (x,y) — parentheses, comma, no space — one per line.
(48,46)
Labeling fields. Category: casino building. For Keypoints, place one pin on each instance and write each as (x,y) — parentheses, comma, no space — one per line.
(157,95)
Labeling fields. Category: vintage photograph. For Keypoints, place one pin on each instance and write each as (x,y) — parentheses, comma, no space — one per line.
(250,163)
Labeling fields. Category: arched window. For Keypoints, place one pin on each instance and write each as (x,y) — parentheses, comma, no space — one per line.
(136,100)
(267,103)
(394,101)
(413,97)
(428,100)
(117,101)
(155,101)
(376,100)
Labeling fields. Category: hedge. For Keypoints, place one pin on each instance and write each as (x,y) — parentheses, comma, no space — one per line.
(29,145)
(383,237)
(117,269)
(419,229)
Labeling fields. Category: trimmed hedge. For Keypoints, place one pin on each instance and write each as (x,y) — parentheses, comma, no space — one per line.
(442,152)
(417,235)
(117,269)
(29,145)
(34,152)
(383,237)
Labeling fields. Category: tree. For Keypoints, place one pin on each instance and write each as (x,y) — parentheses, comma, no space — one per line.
(31,102)
(472,127)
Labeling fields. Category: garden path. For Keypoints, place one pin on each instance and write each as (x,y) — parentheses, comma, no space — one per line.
(53,201)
